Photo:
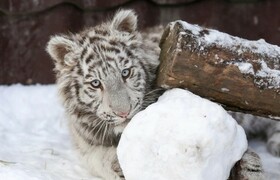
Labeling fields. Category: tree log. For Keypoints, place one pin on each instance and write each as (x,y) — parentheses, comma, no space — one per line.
(241,75)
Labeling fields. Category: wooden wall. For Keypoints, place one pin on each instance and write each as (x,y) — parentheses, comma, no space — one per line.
(26,25)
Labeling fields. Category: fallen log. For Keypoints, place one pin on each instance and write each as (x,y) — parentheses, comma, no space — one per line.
(241,75)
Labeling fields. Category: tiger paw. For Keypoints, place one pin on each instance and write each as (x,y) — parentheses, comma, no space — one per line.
(250,167)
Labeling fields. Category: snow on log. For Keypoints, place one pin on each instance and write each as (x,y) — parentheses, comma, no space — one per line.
(242,75)
(181,136)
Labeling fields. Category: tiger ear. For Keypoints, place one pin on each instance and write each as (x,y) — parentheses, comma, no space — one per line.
(125,20)
(61,49)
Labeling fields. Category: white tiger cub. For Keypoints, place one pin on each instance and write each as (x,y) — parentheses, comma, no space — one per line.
(105,75)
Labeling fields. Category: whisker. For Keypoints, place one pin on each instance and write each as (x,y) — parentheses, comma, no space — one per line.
(95,126)
(99,132)
(99,127)
(152,91)
(96,134)
(104,133)
(90,125)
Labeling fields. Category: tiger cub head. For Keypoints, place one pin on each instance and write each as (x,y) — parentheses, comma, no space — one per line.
(104,72)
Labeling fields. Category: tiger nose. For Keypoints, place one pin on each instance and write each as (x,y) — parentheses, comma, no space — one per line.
(122,114)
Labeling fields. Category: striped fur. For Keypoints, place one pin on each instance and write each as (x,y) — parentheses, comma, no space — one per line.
(99,100)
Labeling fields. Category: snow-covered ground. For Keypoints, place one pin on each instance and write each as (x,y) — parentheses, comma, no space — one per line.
(35,143)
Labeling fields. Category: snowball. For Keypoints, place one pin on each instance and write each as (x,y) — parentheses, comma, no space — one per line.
(181,136)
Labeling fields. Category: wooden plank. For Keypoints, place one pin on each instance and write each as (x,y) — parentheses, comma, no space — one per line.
(240,74)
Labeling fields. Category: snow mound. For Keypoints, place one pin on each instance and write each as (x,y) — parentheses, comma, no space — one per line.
(182,136)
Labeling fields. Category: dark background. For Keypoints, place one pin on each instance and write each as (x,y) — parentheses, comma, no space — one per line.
(26,25)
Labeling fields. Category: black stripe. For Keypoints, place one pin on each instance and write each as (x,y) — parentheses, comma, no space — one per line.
(77,90)
(87,76)
(253,170)
(94,39)
(113,49)
(145,69)
(102,32)
(126,61)
(83,53)
(129,53)
(80,70)
(82,40)
(95,63)
(66,90)
(109,58)
(89,58)
(113,42)
(137,85)
(88,94)
(121,59)
(123,44)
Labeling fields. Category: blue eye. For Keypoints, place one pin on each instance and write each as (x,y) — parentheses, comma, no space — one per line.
(96,83)
(125,73)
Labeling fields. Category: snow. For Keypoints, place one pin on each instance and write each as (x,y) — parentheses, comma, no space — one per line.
(35,143)
(182,136)
(245,68)
(270,163)
(227,41)
(273,74)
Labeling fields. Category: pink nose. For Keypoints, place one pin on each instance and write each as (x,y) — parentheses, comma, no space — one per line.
(122,114)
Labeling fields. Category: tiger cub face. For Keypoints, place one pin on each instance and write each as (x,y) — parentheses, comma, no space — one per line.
(104,72)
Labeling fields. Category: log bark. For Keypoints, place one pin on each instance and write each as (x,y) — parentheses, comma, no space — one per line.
(241,75)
